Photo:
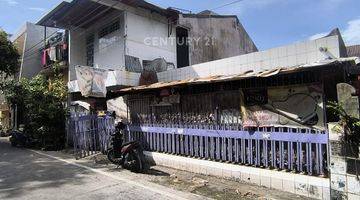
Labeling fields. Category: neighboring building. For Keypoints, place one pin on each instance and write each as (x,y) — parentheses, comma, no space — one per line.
(353,51)
(214,36)
(30,42)
(124,37)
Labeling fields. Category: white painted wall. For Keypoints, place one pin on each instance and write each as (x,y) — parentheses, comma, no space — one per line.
(31,58)
(286,56)
(108,51)
(140,24)
(143,38)
(77,52)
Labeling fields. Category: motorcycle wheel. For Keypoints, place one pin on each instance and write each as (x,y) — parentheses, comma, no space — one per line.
(13,142)
(133,161)
(111,157)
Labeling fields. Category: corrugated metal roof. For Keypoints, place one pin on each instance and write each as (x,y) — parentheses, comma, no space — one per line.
(67,15)
(353,51)
(247,74)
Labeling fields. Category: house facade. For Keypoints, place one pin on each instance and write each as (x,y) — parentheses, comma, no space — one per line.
(261,118)
(263,112)
(211,94)
(124,38)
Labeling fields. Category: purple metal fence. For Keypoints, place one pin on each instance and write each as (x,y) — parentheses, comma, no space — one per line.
(90,134)
(207,123)
(298,150)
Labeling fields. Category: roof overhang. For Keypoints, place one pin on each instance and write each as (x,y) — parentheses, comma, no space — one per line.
(352,63)
(82,13)
(78,13)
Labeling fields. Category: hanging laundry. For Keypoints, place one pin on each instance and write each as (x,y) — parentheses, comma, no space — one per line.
(59,55)
(52,54)
(43,58)
(48,61)
(64,46)
(64,50)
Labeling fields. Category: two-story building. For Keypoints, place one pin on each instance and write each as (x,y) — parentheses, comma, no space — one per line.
(124,38)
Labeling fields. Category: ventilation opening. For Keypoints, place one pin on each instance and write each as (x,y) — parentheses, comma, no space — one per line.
(182,47)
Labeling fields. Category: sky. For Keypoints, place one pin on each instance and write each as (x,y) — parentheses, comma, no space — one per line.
(270,23)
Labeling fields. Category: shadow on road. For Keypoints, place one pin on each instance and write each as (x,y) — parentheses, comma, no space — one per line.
(22,170)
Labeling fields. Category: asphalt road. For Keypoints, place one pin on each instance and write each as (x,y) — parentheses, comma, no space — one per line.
(26,174)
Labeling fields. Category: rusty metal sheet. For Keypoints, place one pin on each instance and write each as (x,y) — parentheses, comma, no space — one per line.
(245,75)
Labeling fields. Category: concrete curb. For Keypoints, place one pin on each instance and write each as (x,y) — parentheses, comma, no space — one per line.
(171,193)
(309,186)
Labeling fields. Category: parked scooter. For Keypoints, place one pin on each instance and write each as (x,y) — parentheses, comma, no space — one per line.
(19,139)
(128,155)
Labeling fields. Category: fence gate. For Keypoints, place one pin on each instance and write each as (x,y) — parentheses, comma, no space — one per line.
(90,134)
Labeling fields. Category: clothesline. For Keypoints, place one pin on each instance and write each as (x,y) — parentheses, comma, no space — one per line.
(54,53)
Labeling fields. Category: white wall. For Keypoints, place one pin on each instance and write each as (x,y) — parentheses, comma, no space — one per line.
(31,61)
(108,51)
(77,52)
(286,56)
(140,24)
(143,38)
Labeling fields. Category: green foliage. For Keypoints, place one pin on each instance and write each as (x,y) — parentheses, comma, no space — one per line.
(42,102)
(9,57)
(350,124)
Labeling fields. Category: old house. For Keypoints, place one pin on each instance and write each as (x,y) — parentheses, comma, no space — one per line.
(213,100)
(266,110)
(123,38)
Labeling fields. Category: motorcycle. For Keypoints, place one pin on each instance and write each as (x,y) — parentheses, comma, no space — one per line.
(128,155)
(18,138)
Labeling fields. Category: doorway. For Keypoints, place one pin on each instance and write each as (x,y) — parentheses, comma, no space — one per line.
(182,47)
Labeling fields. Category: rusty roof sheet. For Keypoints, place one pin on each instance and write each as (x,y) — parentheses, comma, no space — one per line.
(71,14)
(353,50)
(247,74)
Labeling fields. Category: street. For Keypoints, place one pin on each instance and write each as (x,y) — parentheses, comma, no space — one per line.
(26,174)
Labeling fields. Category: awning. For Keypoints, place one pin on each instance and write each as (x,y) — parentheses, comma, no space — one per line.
(354,61)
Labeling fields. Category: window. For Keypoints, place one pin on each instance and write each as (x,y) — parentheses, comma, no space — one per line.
(90,50)
(109,29)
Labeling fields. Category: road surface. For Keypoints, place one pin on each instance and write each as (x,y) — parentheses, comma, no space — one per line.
(26,174)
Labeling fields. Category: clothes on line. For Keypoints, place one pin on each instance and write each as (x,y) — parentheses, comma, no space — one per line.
(54,54)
